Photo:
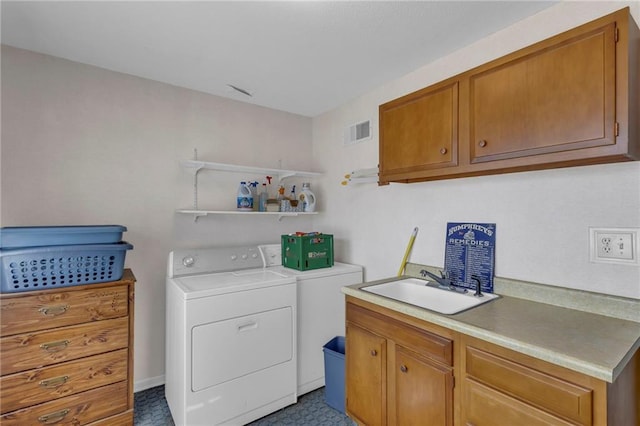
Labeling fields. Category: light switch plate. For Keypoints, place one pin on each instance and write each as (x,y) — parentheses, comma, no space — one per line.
(614,245)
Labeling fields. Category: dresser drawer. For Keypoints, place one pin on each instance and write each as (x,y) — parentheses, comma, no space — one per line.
(34,350)
(529,385)
(33,387)
(122,419)
(74,410)
(51,309)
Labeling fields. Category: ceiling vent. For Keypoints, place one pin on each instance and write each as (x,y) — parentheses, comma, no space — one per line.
(357,133)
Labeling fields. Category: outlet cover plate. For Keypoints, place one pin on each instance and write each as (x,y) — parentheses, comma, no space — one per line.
(614,245)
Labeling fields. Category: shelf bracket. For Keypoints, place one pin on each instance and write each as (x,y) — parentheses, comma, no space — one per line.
(283,176)
(197,216)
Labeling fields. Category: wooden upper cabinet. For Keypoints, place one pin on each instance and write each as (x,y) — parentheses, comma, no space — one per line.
(419,132)
(558,98)
(570,100)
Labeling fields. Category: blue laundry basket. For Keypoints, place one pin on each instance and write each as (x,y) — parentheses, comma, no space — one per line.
(41,268)
(334,351)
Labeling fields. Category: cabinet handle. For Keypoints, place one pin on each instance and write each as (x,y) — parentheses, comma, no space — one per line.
(482,143)
(404,368)
(443,151)
(51,418)
(52,311)
(54,382)
(373,352)
(54,346)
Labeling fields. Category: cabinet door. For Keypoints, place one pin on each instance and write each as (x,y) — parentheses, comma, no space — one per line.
(365,369)
(556,98)
(485,406)
(423,390)
(419,132)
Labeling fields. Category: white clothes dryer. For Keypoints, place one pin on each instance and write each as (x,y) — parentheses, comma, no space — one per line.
(231,350)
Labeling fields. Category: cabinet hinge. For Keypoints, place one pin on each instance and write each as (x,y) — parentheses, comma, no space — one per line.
(616,129)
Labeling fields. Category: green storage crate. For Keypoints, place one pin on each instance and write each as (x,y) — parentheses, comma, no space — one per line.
(305,252)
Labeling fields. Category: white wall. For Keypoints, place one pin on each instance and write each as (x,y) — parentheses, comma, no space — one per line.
(542,217)
(83,145)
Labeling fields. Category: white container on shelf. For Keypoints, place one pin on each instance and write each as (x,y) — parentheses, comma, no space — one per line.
(245,198)
(307,198)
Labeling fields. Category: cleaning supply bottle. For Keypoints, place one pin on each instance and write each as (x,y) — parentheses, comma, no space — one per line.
(269,191)
(253,186)
(262,203)
(281,193)
(307,198)
(245,199)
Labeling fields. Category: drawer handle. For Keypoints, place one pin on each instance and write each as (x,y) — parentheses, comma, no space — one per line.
(52,311)
(54,382)
(404,368)
(55,346)
(249,326)
(51,418)
(482,143)
(443,151)
(373,352)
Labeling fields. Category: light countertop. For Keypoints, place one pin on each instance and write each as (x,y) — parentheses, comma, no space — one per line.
(590,343)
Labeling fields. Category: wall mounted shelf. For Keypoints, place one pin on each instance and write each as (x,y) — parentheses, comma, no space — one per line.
(199,213)
(195,166)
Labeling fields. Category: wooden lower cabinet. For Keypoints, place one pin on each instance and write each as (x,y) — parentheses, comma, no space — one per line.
(396,373)
(486,406)
(66,355)
(423,390)
(501,386)
(366,368)
(400,371)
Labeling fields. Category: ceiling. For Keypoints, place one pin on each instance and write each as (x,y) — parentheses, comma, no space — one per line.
(304,57)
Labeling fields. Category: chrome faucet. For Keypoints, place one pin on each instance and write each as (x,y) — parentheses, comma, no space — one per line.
(443,282)
(478,292)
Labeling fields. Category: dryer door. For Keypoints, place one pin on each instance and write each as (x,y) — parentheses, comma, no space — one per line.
(227,349)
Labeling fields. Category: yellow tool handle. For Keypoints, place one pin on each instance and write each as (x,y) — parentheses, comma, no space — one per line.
(408,250)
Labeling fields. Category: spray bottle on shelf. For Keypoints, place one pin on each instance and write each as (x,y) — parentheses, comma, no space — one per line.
(269,192)
(254,194)
(307,198)
(244,199)
(262,204)
(293,193)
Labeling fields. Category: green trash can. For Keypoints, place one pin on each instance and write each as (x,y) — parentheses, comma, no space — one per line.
(334,351)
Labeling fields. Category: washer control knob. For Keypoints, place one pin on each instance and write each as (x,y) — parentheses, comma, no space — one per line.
(254,255)
(244,257)
(234,257)
(188,261)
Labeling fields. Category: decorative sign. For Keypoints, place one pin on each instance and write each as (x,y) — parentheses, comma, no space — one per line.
(470,252)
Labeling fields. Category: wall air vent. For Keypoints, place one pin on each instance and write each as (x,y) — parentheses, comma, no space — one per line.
(357,133)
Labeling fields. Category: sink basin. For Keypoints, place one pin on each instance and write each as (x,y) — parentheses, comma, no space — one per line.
(416,292)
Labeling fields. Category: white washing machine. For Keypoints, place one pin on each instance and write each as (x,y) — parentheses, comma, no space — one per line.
(231,350)
(321,311)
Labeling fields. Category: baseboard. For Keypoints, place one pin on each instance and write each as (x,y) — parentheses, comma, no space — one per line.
(152,382)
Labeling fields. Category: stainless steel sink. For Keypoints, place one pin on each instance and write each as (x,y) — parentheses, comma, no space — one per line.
(420,293)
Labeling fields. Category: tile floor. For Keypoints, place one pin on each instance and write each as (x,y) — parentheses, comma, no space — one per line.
(151,410)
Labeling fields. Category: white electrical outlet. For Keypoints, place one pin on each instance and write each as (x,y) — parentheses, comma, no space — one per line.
(614,245)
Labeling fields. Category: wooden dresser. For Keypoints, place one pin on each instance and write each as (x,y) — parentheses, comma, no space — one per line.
(66,355)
